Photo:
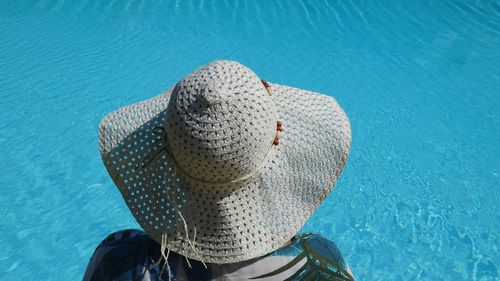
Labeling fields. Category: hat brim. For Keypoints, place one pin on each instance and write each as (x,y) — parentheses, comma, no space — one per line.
(237,221)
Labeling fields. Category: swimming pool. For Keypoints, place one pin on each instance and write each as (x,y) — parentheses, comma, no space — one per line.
(419,80)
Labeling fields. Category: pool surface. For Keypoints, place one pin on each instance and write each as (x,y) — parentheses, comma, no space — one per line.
(420,81)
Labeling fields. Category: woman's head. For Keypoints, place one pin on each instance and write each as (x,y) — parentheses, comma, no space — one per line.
(202,159)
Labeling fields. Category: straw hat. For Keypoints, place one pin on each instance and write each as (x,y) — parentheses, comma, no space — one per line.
(224,167)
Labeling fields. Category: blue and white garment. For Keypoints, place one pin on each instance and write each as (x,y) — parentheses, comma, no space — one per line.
(133,255)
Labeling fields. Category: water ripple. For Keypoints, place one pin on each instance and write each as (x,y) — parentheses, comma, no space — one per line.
(418,80)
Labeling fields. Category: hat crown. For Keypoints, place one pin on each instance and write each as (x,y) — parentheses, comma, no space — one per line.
(221,122)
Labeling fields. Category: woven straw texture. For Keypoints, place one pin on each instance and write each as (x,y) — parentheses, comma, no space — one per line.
(197,166)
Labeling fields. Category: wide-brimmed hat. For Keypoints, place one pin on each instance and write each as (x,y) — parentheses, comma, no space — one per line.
(223,166)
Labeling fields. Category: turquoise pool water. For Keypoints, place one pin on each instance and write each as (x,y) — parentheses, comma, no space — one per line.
(420,80)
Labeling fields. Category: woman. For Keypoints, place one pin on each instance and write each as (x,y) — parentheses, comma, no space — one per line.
(221,171)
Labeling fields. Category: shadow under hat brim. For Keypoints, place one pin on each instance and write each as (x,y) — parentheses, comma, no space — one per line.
(237,221)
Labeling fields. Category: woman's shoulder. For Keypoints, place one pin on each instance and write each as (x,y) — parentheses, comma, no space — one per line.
(319,259)
(117,257)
